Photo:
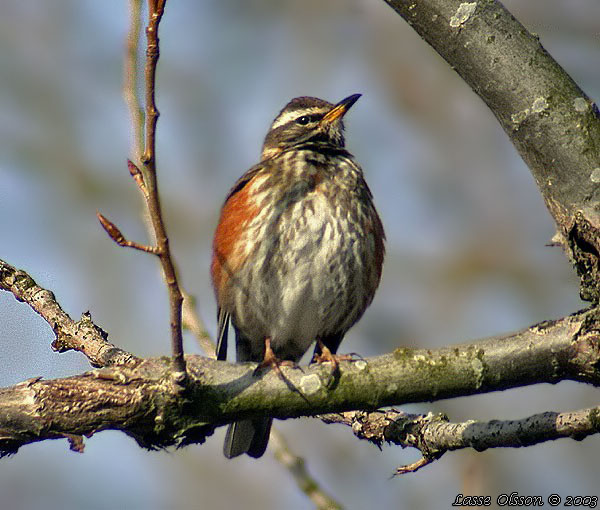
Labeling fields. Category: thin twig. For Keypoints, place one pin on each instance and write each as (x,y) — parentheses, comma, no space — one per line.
(415,466)
(296,466)
(138,177)
(156,10)
(131,81)
(146,179)
(116,235)
(193,323)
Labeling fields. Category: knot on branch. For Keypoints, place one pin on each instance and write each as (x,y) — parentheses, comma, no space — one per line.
(85,329)
(585,357)
(584,249)
(414,431)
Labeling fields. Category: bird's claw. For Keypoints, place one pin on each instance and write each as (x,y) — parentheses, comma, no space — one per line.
(327,356)
(272,361)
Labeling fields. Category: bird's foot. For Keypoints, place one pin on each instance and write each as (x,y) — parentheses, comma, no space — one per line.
(327,356)
(272,361)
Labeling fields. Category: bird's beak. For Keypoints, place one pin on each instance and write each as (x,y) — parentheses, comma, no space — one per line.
(340,109)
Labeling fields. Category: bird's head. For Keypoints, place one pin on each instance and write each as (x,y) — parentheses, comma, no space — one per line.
(306,119)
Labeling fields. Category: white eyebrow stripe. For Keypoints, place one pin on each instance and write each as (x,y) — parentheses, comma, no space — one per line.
(286,117)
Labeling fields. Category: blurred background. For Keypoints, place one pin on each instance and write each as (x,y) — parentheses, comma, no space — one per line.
(465,223)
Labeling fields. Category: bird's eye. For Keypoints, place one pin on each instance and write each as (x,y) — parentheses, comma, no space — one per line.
(304,120)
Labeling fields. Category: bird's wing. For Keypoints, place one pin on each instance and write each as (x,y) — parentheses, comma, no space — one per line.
(223,326)
(243,180)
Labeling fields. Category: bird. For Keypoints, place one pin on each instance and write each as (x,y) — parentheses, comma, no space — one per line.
(298,250)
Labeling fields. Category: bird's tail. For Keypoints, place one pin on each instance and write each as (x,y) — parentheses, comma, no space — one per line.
(247,436)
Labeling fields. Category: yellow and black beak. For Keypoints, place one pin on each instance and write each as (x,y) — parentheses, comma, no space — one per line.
(340,109)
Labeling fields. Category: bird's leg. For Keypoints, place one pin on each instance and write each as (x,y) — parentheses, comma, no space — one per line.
(327,356)
(270,360)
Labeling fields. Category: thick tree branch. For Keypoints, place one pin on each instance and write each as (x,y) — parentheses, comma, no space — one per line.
(142,399)
(553,124)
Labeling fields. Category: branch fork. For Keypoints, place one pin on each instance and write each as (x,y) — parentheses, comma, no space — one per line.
(146,179)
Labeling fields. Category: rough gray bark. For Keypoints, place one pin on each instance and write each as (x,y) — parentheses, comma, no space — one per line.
(141,398)
(553,124)
(434,435)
